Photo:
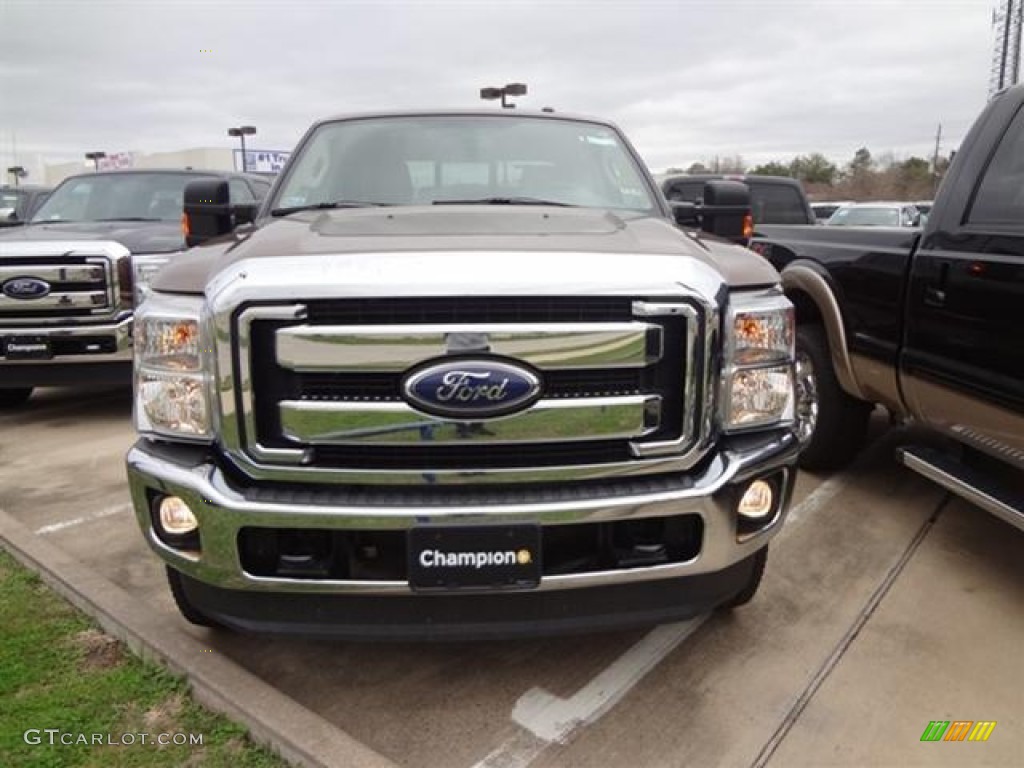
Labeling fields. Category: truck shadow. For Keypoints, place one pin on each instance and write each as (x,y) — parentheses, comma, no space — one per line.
(61,406)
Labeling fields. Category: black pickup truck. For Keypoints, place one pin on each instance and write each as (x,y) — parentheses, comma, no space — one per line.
(922,322)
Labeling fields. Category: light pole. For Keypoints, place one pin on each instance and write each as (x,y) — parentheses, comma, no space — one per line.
(18,172)
(95,157)
(241,132)
(512,89)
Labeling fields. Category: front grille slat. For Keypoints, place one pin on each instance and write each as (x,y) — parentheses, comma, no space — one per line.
(471,456)
(483,309)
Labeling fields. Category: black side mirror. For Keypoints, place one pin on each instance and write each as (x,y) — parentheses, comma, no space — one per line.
(685,214)
(726,210)
(207,211)
(245,213)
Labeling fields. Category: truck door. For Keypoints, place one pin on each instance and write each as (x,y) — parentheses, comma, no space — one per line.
(962,366)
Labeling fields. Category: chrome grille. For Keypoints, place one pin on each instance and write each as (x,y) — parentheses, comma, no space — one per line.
(79,287)
(321,383)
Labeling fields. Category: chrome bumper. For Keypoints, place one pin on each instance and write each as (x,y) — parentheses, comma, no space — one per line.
(121,330)
(223,510)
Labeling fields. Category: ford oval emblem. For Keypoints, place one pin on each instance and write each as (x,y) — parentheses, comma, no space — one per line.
(26,288)
(471,388)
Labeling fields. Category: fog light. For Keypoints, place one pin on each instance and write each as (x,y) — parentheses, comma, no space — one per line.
(757,501)
(175,516)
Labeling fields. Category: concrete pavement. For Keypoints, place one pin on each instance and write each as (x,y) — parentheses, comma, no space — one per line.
(842,659)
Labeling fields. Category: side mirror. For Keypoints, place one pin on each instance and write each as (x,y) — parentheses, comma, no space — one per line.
(245,213)
(207,211)
(685,214)
(726,211)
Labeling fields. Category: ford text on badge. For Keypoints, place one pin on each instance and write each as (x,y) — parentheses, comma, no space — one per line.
(26,288)
(467,388)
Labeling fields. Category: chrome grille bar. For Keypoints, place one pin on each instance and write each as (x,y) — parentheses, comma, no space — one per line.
(597,418)
(399,347)
(70,273)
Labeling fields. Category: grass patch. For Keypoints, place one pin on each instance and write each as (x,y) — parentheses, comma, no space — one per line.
(57,670)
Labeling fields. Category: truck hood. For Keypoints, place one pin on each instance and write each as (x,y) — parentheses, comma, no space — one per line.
(465,246)
(136,236)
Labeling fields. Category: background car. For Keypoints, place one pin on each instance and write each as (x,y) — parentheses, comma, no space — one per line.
(881,214)
(823,210)
(18,204)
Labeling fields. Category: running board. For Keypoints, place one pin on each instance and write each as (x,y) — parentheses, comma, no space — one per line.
(967,482)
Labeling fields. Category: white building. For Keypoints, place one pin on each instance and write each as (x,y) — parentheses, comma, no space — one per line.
(200,158)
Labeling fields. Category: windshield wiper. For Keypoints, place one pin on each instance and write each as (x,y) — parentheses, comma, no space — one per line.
(131,218)
(504,201)
(324,206)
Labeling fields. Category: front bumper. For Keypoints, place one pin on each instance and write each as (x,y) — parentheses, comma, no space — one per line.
(82,354)
(217,582)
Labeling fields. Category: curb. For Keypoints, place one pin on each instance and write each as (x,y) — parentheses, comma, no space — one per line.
(273,719)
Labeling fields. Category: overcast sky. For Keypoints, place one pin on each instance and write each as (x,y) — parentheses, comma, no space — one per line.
(685,79)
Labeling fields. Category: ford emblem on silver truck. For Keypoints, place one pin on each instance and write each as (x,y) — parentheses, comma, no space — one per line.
(471,388)
(26,288)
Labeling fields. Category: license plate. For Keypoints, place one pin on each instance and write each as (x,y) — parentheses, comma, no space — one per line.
(27,348)
(483,557)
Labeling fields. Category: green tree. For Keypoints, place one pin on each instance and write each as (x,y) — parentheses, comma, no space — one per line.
(814,168)
(774,168)
(862,162)
(698,168)
(913,178)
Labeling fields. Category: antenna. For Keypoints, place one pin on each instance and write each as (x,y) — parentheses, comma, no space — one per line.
(1007,20)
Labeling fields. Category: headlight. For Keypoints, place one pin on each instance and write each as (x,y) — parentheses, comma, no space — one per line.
(757,385)
(173,363)
(144,269)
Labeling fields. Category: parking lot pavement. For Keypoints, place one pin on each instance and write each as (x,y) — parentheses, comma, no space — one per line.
(945,644)
(875,591)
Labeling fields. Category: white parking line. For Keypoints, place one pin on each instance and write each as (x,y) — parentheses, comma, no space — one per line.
(816,499)
(551,720)
(108,512)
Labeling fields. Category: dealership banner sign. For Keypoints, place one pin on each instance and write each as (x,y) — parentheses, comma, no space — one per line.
(116,161)
(261,160)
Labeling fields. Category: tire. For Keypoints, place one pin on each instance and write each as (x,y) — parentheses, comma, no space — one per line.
(745,595)
(831,425)
(12,398)
(186,607)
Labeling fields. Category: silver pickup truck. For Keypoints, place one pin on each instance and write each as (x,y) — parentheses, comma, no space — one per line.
(464,376)
(70,277)
(65,315)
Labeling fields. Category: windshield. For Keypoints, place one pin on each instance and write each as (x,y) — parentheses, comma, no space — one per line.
(855,216)
(426,160)
(113,196)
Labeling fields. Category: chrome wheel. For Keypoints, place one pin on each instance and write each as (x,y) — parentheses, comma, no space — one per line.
(806,398)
